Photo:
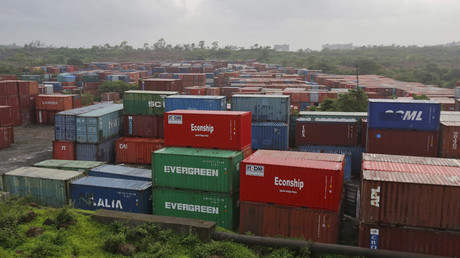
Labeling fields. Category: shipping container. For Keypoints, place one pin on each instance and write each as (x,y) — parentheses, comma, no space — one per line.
(197,169)
(186,102)
(218,207)
(6,137)
(399,142)
(143,126)
(162,85)
(411,199)
(73,165)
(404,114)
(57,86)
(273,220)
(99,125)
(229,130)
(327,131)
(448,143)
(136,150)
(54,102)
(294,181)
(65,124)
(409,239)
(264,108)
(64,150)
(92,193)
(6,116)
(121,172)
(411,160)
(138,102)
(110,96)
(45,117)
(43,185)
(270,135)
(363,135)
(410,168)
(102,151)
(27,88)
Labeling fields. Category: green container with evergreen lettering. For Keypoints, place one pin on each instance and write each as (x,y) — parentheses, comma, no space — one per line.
(197,169)
(143,102)
(211,206)
(72,165)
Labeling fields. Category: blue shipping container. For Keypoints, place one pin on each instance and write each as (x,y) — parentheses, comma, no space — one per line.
(420,115)
(270,136)
(121,172)
(103,151)
(101,124)
(57,86)
(264,108)
(91,193)
(188,102)
(65,125)
(159,70)
(353,156)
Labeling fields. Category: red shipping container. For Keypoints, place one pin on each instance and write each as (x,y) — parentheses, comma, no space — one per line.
(91,85)
(339,132)
(6,116)
(27,102)
(46,117)
(8,77)
(136,150)
(76,101)
(3,91)
(54,102)
(226,130)
(64,150)
(26,88)
(110,96)
(410,239)
(295,222)
(293,181)
(162,85)
(143,126)
(410,168)
(6,137)
(28,116)
(4,101)
(410,160)
(12,88)
(398,142)
(13,101)
(363,132)
(16,115)
(449,143)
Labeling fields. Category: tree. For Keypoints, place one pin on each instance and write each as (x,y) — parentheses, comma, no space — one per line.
(161,44)
(423,97)
(117,86)
(74,61)
(353,101)
(201,44)
(215,45)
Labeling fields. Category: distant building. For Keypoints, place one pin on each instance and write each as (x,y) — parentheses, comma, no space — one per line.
(338,46)
(284,47)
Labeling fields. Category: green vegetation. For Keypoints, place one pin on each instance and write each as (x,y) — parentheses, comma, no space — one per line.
(117,86)
(353,101)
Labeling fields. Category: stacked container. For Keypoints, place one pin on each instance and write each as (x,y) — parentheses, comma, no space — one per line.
(20,96)
(143,126)
(201,181)
(410,198)
(403,127)
(48,105)
(97,132)
(6,127)
(292,194)
(270,119)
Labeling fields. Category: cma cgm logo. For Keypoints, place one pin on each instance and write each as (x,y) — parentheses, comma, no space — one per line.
(407,115)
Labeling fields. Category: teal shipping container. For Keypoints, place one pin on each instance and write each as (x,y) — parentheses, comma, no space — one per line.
(140,102)
(264,108)
(45,185)
(197,169)
(74,165)
(99,125)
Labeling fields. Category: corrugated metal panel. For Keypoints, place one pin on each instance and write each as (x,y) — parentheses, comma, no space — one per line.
(54,102)
(145,102)
(103,151)
(121,172)
(73,165)
(411,160)
(197,169)
(91,193)
(64,150)
(300,155)
(448,144)
(412,199)
(407,239)
(275,221)
(136,150)
(228,130)
(404,114)
(217,207)
(99,125)
(398,142)
(44,185)
(433,177)
(264,108)
(410,168)
(270,135)
(327,131)
(143,126)
(185,102)
(321,114)
(292,181)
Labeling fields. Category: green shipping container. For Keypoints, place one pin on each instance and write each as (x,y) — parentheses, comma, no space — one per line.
(140,102)
(217,207)
(73,165)
(197,169)
(31,77)
(45,186)
(1,182)
(90,78)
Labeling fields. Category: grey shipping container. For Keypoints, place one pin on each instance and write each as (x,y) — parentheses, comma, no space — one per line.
(91,193)
(44,185)
(99,125)
(270,136)
(264,108)
(121,172)
(103,151)
(188,102)
(65,124)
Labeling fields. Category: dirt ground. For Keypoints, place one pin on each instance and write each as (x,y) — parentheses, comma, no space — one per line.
(32,144)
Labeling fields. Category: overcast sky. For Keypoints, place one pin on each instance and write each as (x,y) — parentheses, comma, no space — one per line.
(299,23)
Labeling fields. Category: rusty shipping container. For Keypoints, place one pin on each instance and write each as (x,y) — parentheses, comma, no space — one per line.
(397,142)
(274,177)
(162,85)
(449,140)
(6,116)
(54,102)
(325,131)
(275,220)
(410,239)
(64,150)
(136,150)
(410,168)
(6,137)
(411,160)
(412,199)
(143,126)
(45,117)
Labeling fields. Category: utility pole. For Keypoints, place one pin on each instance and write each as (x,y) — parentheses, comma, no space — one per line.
(357,74)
